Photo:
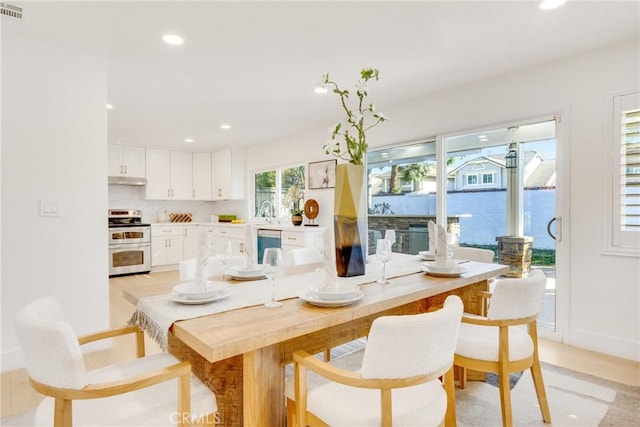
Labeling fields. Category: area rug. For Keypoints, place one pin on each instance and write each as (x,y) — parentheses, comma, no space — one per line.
(575,399)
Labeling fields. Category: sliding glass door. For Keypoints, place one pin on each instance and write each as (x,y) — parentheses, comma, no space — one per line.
(479,197)
(493,200)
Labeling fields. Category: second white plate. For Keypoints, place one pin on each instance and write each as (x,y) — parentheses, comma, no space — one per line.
(454,272)
(312,298)
(182,300)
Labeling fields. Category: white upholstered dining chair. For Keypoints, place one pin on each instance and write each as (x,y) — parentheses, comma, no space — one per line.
(473,254)
(146,391)
(394,380)
(498,343)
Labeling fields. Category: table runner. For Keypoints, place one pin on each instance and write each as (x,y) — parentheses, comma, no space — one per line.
(156,314)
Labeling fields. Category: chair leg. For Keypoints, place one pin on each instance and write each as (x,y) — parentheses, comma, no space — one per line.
(462,376)
(290,412)
(449,386)
(62,413)
(505,399)
(536,374)
(327,354)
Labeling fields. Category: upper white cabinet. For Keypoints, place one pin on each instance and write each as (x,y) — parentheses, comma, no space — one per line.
(169,175)
(228,173)
(201,176)
(126,161)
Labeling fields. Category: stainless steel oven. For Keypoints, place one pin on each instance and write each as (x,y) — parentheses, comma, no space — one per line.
(129,243)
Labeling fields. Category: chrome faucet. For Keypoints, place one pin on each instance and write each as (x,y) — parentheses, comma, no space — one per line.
(266,212)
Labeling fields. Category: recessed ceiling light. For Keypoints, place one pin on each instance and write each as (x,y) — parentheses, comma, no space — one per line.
(109,107)
(189,140)
(551,4)
(384,154)
(225,126)
(172,39)
(321,89)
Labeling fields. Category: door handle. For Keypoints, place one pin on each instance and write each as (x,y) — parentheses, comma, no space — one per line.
(558,236)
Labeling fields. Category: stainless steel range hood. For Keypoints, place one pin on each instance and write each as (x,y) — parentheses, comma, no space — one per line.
(127,180)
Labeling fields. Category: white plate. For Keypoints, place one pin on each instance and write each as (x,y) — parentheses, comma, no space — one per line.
(182,300)
(425,256)
(337,295)
(454,272)
(434,266)
(244,276)
(240,270)
(312,298)
(187,291)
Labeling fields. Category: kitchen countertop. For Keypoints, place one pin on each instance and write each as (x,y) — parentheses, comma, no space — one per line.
(265,226)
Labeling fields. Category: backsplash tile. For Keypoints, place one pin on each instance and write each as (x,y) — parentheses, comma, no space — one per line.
(132,197)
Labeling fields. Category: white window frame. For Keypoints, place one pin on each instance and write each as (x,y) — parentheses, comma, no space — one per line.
(279,208)
(492,175)
(470,184)
(616,241)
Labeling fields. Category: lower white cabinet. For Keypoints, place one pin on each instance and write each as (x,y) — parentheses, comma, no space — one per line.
(234,234)
(172,243)
(167,244)
(191,236)
(294,239)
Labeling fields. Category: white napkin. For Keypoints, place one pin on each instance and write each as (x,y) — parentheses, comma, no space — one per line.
(202,260)
(441,246)
(331,273)
(249,249)
(433,237)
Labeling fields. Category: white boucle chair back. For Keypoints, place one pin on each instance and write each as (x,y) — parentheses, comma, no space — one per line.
(406,346)
(50,347)
(473,254)
(518,298)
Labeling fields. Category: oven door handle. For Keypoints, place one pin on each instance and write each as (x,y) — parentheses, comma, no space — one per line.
(129,246)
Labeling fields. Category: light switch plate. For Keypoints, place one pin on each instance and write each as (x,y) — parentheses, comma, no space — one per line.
(50,208)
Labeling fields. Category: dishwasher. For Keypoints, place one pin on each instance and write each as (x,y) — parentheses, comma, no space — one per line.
(268,239)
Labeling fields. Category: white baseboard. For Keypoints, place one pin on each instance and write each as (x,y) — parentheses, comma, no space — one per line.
(613,346)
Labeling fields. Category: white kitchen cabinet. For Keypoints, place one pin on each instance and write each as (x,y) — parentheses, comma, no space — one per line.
(302,238)
(190,245)
(169,175)
(166,244)
(181,175)
(235,234)
(228,170)
(126,161)
(202,176)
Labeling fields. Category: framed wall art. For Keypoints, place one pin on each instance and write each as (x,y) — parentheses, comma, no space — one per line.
(322,174)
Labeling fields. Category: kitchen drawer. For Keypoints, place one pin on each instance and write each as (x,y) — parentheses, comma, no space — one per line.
(167,230)
(292,238)
(227,232)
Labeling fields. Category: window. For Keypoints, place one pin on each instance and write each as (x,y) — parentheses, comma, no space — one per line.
(623,229)
(487,178)
(272,190)
(472,179)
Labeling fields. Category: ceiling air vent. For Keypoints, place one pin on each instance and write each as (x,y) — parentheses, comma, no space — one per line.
(11,11)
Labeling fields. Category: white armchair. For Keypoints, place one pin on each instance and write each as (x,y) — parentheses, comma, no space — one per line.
(498,344)
(397,382)
(147,391)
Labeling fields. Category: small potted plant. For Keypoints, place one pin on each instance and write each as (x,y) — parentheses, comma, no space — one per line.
(295,195)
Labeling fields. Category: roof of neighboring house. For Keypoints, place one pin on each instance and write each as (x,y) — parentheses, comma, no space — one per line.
(543,176)
(480,159)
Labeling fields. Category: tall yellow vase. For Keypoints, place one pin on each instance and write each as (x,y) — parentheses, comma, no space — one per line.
(350,220)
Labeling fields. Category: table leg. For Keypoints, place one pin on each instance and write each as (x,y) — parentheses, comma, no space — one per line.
(263,374)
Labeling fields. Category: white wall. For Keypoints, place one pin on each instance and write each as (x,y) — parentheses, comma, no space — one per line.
(599,293)
(54,147)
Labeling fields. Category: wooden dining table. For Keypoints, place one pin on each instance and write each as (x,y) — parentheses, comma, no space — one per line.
(241,354)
